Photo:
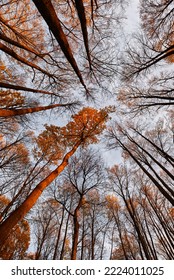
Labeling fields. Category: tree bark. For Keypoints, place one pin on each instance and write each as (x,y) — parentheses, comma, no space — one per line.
(58,235)
(48,13)
(21,59)
(18,44)
(76,230)
(22,88)
(23,111)
(65,235)
(161,189)
(17,215)
(82,17)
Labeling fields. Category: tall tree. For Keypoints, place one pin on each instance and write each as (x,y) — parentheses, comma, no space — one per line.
(151,164)
(82,130)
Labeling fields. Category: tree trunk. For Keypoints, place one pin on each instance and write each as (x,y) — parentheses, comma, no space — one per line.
(23,111)
(47,11)
(22,88)
(76,230)
(103,244)
(18,44)
(82,17)
(21,59)
(65,234)
(92,235)
(58,235)
(83,237)
(161,189)
(18,214)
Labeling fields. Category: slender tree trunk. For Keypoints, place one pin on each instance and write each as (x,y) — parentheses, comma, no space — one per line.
(18,44)
(21,59)
(151,243)
(168,157)
(112,243)
(65,235)
(58,235)
(41,242)
(103,244)
(82,17)
(156,161)
(21,88)
(139,231)
(18,35)
(161,189)
(92,237)
(7,208)
(117,221)
(47,11)
(23,111)
(160,56)
(76,230)
(18,214)
(83,237)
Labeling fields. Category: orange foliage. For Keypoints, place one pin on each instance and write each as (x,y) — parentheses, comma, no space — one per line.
(19,22)
(171,212)
(10,100)
(86,126)
(112,202)
(130,246)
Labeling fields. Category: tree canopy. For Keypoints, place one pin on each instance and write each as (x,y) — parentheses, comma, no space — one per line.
(86,130)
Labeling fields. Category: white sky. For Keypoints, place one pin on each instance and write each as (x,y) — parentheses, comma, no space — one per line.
(113,157)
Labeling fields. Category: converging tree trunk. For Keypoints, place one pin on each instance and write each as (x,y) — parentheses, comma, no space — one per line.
(24,111)
(18,214)
(76,230)
(48,12)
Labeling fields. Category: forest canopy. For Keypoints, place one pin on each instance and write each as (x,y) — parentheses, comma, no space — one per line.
(86,130)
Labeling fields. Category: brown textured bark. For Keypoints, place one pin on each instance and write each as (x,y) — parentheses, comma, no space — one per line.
(47,11)
(17,215)
(82,17)
(20,112)
(17,44)
(21,59)
(22,88)
(18,35)
(76,230)
(58,235)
